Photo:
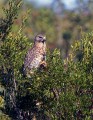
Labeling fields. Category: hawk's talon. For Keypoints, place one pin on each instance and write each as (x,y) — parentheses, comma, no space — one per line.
(43,64)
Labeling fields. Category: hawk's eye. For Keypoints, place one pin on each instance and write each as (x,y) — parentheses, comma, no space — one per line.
(40,37)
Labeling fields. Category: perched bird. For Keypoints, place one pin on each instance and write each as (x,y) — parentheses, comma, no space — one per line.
(36,56)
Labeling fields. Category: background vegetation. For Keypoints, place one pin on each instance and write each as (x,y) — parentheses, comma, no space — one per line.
(62,91)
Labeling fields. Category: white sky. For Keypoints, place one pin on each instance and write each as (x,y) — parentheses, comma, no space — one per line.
(69,3)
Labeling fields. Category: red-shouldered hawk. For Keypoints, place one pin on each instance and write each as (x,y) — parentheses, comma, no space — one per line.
(36,56)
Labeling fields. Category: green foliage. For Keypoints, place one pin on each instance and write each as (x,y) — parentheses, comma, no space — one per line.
(10,15)
(12,52)
(62,91)
(67,35)
(4,117)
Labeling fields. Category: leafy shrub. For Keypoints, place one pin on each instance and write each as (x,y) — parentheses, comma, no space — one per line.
(63,93)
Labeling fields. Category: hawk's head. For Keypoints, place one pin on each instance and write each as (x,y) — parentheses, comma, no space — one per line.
(40,38)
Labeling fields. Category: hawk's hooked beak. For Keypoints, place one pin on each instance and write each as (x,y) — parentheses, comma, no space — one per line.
(44,38)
